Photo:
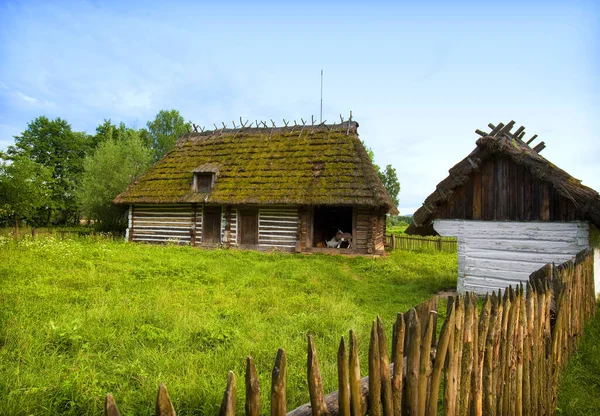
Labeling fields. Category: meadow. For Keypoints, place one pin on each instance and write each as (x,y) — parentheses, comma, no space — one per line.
(86,316)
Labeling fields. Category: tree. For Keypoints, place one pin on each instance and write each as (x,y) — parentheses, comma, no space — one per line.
(388,177)
(165,130)
(108,172)
(24,189)
(53,144)
(390,182)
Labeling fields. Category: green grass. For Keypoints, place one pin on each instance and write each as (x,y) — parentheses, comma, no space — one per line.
(396,229)
(579,390)
(80,318)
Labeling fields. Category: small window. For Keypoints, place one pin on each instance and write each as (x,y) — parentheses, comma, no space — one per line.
(203,182)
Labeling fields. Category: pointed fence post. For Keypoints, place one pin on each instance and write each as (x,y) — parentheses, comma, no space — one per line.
(343,380)
(413,356)
(440,359)
(356,400)
(278,399)
(252,406)
(398,357)
(110,406)
(228,403)
(384,365)
(374,374)
(315,385)
(164,407)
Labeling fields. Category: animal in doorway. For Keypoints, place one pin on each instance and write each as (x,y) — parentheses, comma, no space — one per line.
(333,243)
(341,237)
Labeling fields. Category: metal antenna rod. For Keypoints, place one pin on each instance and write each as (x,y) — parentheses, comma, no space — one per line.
(321,117)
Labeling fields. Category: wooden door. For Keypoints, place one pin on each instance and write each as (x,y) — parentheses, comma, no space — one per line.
(248,227)
(211,225)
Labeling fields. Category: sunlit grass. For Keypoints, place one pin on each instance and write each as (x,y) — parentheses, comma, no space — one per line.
(80,318)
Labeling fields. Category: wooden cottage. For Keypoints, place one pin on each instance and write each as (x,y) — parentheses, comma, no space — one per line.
(289,188)
(512,211)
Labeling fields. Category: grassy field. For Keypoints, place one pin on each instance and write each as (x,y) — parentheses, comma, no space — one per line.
(579,391)
(80,318)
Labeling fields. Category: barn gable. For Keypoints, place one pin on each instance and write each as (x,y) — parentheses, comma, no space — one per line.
(511,210)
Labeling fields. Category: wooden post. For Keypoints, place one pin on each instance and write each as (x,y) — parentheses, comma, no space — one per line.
(110,406)
(449,374)
(374,374)
(489,401)
(384,367)
(356,405)
(228,403)
(413,351)
(466,368)
(278,399)
(343,380)
(483,327)
(398,356)
(315,385)
(425,362)
(440,358)
(252,406)
(393,241)
(164,407)
(439,243)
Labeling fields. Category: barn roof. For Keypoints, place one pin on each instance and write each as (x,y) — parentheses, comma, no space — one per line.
(502,142)
(316,165)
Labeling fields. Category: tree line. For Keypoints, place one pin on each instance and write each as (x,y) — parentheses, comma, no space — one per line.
(54,176)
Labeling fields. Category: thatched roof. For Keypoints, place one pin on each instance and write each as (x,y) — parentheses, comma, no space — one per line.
(501,142)
(310,165)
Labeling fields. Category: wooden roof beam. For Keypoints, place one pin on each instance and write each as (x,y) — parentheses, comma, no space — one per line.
(539,147)
(532,139)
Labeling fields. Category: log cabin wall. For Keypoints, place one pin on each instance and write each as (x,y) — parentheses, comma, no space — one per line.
(161,223)
(363,228)
(278,228)
(380,232)
(504,190)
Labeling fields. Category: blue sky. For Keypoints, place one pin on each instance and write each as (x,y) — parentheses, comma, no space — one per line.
(418,77)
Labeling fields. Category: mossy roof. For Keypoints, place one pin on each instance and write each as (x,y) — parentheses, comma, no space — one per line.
(311,165)
(504,143)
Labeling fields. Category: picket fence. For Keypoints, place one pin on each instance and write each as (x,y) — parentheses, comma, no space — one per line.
(502,359)
(409,242)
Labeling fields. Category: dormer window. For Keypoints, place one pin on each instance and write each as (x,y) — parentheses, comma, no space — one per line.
(203,181)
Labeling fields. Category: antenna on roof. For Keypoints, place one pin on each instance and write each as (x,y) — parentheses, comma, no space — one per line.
(321,118)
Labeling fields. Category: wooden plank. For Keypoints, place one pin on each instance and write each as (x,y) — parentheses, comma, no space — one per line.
(477,195)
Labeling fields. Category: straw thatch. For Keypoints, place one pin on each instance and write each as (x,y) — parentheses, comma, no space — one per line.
(310,165)
(502,143)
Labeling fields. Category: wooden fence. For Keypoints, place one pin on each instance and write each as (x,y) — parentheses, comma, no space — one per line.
(504,359)
(409,242)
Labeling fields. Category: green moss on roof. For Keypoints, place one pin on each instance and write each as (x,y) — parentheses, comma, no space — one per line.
(325,165)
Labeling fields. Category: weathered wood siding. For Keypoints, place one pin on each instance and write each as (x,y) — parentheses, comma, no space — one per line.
(230,236)
(597,271)
(494,255)
(161,223)
(503,190)
(278,227)
(363,227)
(380,232)
(198,224)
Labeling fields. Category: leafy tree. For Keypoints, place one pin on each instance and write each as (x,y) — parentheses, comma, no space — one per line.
(390,182)
(24,189)
(53,144)
(164,131)
(108,172)
(388,177)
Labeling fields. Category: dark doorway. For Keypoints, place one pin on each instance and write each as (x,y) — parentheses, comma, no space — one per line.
(248,227)
(211,225)
(328,220)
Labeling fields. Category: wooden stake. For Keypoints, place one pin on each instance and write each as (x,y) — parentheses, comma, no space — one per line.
(356,405)
(374,374)
(343,380)
(252,406)
(413,352)
(440,358)
(315,385)
(278,399)
(398,357)
(228,403)
(384,366)
(164,407)
(110,406)
(425,362)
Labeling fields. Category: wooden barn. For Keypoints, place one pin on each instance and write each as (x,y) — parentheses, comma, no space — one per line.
(286,188)
(512,211)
